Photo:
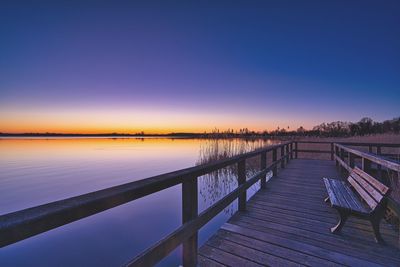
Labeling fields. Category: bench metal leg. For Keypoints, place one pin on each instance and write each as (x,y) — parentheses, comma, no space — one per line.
(343,217)
(375,222)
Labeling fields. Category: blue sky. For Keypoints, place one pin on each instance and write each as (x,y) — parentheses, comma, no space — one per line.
(226,64)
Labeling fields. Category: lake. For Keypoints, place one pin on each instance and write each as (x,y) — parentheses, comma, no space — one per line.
(38,170)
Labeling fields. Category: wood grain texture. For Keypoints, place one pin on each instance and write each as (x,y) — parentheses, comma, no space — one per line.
(361,191)
(383,189)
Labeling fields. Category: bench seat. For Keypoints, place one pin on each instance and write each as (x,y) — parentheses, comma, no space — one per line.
(341,196)
(363,197)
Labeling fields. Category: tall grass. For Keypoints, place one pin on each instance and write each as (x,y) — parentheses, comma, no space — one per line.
(215,185)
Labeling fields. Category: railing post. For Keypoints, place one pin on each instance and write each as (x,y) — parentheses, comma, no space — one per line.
(342,169)
(274,158)
(331,151)
(241,180)
(370,149)
(189,212)
(350,159)
(379,152)
(263,166)
(282,156)
(291,150)
(366,165)
(337,155)
(295,150)
(287,153)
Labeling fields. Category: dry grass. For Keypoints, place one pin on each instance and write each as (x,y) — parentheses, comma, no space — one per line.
(380,138)
(377,138)
(217,184)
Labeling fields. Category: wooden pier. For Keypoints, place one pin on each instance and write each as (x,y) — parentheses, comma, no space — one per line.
(287,224)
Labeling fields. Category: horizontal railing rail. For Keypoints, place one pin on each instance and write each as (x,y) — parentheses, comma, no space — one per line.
(19,225)
(169,243)
(390,164)
(296,149)
(372,147)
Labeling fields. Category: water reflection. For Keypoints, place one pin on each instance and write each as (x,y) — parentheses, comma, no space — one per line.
(38,171)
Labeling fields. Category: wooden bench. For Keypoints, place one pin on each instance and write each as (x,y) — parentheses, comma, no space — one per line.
(364,197)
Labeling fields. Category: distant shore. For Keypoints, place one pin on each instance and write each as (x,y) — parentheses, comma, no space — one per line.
(381,138)
(100,135)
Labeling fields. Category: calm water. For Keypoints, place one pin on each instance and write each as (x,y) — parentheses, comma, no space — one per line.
(37,171)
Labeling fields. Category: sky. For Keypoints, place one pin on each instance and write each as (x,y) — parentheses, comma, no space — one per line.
(174,66)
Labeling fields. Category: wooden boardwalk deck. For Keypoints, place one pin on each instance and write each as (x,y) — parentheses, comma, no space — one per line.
(288,224)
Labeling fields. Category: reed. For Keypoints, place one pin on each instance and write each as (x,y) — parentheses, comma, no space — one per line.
(216,185)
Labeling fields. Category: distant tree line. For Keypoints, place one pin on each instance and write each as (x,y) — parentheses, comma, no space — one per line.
(365,126)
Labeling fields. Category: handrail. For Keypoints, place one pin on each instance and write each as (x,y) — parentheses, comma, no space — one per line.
(19,225)
(157,252)
(390,164)
(369,144)
(349,143)
(378,147)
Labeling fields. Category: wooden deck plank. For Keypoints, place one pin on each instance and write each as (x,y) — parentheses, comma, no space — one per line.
(203,261)
(288,223)
(295,215)
(331,257)
(341,244)
(320,224)
(224,258)
(265,247)
(260,257)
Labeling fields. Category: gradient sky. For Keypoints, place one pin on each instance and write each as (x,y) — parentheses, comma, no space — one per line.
(126,66)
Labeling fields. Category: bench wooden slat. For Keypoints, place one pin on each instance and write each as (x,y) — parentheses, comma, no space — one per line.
(351,198)
(331,195)
(361,207)
(367,198)
(336,188)
(341,196)
(336,199)
(367,187)
(383,189)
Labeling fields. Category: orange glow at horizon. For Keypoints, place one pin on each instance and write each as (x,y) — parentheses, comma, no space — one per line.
(133,121)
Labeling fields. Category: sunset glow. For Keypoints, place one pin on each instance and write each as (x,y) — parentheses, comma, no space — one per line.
(131,67)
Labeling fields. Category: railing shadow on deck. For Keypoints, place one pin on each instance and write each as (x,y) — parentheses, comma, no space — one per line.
(23,224)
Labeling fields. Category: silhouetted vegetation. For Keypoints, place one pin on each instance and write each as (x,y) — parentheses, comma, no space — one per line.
(215,185)
(365,126)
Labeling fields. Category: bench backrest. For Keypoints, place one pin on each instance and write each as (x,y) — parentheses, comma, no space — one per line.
(370,190)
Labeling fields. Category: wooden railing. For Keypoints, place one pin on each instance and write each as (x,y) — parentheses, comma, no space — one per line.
(318,151)
(378,166)
(372,148)
(23,224)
